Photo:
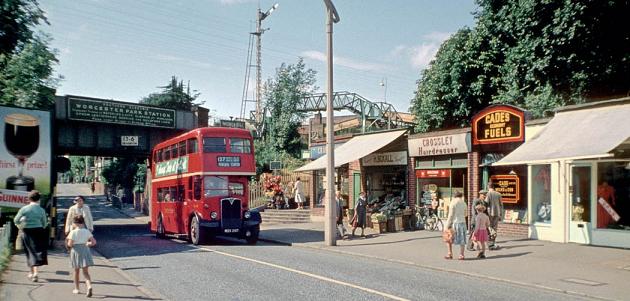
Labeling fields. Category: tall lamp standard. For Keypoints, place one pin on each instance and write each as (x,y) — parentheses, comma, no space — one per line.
(330,233)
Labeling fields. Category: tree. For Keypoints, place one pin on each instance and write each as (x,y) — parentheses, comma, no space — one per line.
(175,95)
(26,62)
(17,19)
(280,139)
(27,77)
(534,54)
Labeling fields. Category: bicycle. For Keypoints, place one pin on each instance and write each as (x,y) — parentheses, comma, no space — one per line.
(430,219)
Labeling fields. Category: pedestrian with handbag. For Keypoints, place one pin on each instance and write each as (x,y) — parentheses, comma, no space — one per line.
(33,221)
(79,209)
(360,211)
(456,225)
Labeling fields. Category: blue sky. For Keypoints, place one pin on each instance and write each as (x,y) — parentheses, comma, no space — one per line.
(124,50)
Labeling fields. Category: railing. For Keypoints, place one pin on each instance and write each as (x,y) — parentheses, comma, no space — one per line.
(5,245)
(257,197)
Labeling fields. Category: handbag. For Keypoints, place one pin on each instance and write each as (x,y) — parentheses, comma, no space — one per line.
(447,236)
(353,222)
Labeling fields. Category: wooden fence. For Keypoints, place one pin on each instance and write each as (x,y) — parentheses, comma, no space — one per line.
(257,195)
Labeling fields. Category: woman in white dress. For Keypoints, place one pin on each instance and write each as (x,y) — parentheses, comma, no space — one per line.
(79,208)
(79,241)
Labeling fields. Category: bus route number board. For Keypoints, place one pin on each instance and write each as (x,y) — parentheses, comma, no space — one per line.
(228,161)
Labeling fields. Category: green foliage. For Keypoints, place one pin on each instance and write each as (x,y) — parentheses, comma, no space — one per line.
(534,54)
(78,166)
(175,95)
(140,179)
(283,93)
(121,172)
(17,19)
(26,62)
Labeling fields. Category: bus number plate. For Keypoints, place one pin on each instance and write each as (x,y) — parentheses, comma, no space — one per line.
(230,230)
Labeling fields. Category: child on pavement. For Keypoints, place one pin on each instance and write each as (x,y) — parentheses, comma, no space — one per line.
(79,241)
(480,233)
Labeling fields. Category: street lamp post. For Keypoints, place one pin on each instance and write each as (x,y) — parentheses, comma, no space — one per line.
(330,235)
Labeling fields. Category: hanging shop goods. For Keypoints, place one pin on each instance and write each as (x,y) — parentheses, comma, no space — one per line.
(498,124)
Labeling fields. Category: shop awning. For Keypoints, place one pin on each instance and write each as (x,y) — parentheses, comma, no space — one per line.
(356,148)
(574,135)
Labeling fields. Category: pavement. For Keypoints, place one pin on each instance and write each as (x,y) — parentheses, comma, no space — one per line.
(587,271)
(55,281)
(572,269)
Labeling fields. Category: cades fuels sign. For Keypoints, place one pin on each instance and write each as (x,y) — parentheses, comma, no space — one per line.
(498,124)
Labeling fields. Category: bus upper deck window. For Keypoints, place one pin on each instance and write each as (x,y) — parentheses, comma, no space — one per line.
(174,152)
(214,145)
(192,146)
(240,145)
(182,148)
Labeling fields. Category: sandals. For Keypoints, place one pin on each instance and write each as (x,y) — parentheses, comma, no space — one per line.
(75,291)
(34,278)
(89,292)
(448,256)
(461,257)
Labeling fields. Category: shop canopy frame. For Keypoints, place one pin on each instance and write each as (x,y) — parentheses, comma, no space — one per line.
(581,132)
(355,149)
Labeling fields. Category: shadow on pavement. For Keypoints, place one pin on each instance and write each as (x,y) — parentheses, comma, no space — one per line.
(291,236)
(384,242)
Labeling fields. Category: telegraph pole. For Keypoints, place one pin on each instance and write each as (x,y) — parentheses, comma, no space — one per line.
(330,222)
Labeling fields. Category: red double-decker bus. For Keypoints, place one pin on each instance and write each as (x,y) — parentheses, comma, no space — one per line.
(199,185)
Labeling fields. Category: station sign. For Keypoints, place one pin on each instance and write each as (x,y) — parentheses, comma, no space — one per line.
(129,140)
(498,124)
(84,109)
(508,186)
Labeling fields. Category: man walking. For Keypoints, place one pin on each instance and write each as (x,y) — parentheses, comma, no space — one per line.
(495,212)
(481,200)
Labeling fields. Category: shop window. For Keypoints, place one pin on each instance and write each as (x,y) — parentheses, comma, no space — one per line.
(613,195)
(581,194)
(541,193)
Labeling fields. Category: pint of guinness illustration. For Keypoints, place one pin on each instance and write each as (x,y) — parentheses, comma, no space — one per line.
(21,137)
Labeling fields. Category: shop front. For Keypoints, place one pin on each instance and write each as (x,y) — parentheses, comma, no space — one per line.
(497,131)
(374,163)
(439,166)
(579,175)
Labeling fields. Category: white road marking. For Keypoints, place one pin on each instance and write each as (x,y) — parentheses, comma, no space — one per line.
(323,278)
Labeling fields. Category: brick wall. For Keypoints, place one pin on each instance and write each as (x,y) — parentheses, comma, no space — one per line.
(411,181)
(513,230)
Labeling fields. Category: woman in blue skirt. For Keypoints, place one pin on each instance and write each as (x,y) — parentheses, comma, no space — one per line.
(79,242)
(456,223)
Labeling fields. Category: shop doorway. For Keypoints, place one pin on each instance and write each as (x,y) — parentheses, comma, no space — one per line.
(356,187)
(580,191)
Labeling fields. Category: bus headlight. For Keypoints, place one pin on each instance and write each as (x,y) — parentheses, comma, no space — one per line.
(213,215)
(247,214)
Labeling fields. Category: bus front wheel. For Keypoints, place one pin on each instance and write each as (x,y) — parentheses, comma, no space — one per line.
(159,232)
(253,238)
(196,237)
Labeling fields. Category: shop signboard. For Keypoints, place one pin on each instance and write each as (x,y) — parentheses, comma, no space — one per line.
(84,109)
(439,145)
(433,173)
(25,154)
(508,186)
(385,159)
(498,124)
(320,150)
